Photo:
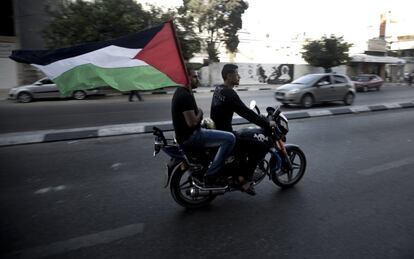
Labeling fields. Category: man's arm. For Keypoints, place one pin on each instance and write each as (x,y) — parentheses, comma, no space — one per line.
(242,110)
(192,119)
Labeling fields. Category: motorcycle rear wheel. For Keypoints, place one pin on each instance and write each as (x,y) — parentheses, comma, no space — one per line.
(180,184)
(286,179)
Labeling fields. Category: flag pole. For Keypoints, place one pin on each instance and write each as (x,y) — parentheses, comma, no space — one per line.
(170,21)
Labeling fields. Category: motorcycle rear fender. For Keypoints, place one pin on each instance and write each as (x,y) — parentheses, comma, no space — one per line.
(172,168)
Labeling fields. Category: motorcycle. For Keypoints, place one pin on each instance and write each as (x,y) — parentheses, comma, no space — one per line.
(284,164)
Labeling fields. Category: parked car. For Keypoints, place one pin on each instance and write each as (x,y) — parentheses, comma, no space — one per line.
(45,88)
(365,82)
(317,88)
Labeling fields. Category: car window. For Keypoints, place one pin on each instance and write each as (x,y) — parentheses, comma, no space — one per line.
(46,81)
(360,78)
(324,81)
(305,80)
(339,79)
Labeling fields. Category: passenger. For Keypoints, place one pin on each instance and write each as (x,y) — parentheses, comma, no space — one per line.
(187,117)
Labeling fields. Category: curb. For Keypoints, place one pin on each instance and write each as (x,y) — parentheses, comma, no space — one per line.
(21,138)
(4,93)
(208,89)
(211,89)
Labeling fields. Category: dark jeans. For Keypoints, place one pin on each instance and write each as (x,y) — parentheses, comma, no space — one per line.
(134,93)
(206,138)
(254,153)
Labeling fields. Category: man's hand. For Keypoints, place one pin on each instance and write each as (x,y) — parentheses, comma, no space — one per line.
(200,114)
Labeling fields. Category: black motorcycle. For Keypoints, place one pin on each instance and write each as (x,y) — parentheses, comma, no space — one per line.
(260,152)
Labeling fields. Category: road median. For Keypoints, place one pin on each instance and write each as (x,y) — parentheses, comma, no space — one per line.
(42,136)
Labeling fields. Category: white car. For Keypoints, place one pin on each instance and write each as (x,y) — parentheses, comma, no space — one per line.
(45,88)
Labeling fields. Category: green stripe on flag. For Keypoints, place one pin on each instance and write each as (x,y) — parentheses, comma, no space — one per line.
(123,79)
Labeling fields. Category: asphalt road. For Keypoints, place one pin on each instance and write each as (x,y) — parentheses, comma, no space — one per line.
(103,198)
(100,111)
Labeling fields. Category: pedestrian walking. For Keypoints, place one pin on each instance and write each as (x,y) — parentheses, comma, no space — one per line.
(134,93)
(410,78)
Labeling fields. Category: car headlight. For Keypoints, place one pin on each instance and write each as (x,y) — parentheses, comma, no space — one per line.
(294,91)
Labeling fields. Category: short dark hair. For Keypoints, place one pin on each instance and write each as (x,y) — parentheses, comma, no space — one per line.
(228,69)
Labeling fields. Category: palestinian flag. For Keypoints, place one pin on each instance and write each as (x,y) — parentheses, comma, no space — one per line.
(145,60)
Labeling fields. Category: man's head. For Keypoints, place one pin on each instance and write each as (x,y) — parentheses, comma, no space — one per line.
(230,74)
(192,74)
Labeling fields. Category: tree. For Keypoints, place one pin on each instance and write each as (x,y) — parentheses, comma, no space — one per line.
(190,41)
(327,52)
(219,21)
(77,22)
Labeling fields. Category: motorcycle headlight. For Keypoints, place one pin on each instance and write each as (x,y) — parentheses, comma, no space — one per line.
(283,124)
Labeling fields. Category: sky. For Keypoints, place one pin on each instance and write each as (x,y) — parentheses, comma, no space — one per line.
(276,26)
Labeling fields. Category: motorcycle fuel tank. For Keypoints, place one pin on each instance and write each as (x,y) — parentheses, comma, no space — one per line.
(254,134)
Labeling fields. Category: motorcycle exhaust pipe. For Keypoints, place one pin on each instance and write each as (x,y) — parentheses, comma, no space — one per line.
(195,192)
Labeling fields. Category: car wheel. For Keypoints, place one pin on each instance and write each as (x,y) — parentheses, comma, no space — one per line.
(307,101)
(79,95)
(24,97)
(349,98)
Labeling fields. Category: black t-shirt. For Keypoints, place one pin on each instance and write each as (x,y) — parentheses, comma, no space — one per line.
(183,100)
(224,103)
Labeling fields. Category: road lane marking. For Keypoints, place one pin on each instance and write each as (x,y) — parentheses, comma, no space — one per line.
(387,166)
(103,237)
(51,188)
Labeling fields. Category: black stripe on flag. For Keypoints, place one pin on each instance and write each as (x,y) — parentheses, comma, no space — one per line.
(45,57)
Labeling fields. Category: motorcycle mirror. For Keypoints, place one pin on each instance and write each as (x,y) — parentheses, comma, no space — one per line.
(270,110)
(252,104)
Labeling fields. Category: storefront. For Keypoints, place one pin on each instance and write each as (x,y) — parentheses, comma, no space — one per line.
(389,68)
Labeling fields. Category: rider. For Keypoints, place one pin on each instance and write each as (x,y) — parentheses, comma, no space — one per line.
(224,103)
(187,117)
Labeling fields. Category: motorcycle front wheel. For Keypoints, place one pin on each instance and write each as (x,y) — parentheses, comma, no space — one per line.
(288,178)
(180,186)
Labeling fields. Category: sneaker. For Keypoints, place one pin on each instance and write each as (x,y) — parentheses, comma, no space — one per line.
(248,188)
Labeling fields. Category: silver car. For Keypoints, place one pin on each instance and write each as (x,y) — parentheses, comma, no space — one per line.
(317,88)
(45,88)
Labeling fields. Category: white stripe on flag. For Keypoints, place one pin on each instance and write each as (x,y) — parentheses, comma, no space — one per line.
(108,57)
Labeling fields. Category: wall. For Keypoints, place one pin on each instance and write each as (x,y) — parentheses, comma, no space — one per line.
(258,73)
(8,68)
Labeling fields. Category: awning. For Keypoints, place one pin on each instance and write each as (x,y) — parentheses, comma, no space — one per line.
(364,58)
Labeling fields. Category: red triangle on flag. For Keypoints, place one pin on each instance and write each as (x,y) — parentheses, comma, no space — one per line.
(163,53)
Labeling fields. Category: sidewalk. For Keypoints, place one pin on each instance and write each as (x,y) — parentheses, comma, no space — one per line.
(170,90)
(202,89)
(10,139)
